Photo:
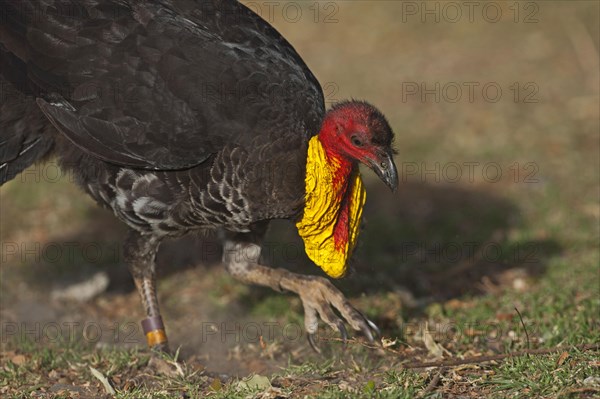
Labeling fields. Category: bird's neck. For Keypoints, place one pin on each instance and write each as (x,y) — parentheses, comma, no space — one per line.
(332,145)
(340,165)
(334,198)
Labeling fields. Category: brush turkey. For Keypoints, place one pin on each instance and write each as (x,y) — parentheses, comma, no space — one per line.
(183,116)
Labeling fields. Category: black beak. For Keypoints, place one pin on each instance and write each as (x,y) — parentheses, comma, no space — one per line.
(386,170)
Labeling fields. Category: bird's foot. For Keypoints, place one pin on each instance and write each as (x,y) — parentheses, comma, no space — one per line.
(161,349)
(166,367)
(319,298)
(164,362)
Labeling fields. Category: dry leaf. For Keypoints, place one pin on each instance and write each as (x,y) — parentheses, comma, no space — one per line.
(18,360)
(54,375)
(254,382)
(471,332)
(592,381)
(109,389)
(434,349)
(505,316)
(457,304)
(216,385)
(165,367)
(272,393)
(263,345)
(561,359)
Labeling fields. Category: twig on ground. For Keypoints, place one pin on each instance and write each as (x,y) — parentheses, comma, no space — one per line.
(503,356)
(472,359)
(523,324)
(433,383)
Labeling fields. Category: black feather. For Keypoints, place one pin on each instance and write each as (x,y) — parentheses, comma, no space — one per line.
(173,113)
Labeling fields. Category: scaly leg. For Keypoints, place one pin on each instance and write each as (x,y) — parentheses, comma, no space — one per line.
(140,254)
(319,296)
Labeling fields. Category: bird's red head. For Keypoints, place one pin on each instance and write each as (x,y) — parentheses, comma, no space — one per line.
(355,131)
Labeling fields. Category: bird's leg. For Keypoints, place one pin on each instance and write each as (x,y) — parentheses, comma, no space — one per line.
(140,254)
(319,296)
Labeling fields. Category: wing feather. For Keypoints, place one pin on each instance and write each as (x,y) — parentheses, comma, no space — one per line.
(163,85)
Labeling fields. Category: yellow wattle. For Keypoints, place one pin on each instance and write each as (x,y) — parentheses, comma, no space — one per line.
(323,207)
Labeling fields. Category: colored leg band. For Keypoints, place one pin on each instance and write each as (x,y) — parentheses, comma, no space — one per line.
(154,329)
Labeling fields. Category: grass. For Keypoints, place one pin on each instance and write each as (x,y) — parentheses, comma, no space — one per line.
(442,261)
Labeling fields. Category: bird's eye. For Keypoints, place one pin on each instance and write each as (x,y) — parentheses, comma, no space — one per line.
(356,141)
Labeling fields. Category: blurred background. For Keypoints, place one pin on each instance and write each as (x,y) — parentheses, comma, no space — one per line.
(495,107)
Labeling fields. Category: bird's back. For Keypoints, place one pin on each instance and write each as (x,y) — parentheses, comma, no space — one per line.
(159,85)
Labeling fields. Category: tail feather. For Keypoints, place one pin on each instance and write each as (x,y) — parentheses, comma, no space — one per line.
(26,136)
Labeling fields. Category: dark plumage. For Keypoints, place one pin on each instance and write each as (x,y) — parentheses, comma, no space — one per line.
(178,115)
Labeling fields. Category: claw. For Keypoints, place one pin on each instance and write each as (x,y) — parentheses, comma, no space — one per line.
(344,333)
(313,343)
(321,299)
(370,329)
(374,327)
(367,333)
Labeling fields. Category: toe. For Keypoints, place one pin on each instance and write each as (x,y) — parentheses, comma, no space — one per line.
(344,333)
(319,298)
(312,340)
(311,319)
(328,316)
